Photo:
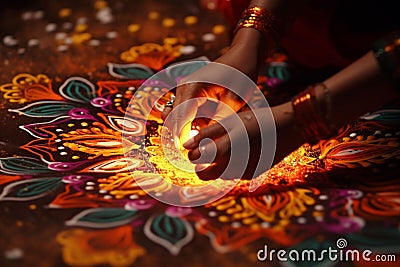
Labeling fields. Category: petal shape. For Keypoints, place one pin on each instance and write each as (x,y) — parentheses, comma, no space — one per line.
(78,89)
(80,114)
(170,232)
(22,165)
(129,71)
(28,88)
(279,70)
(45,109)
(384,115)
(102,217)
(107,88)
(116,165)
(152,55)
(38,130)
(140,204)
(71,198)
(178,71)
(347,152)
(127,125)
(25,190)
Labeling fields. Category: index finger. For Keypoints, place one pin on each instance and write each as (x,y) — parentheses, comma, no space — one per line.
(186,104)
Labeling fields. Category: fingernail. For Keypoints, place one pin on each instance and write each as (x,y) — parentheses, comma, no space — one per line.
(189,144)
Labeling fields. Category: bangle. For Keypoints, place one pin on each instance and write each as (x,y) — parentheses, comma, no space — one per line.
(258,18)
(387,53)
(313,116)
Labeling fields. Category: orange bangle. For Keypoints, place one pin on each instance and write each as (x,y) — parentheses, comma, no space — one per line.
(312,120)
(258,18)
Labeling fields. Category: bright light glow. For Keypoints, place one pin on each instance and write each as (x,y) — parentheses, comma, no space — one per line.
(193,133)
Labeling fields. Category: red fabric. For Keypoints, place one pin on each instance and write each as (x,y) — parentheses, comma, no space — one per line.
(307,39)
(232,9)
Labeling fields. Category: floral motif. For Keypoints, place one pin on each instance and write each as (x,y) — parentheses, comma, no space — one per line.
(27,88)
(152,55)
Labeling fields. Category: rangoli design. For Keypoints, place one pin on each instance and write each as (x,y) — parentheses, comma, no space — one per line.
(73,159)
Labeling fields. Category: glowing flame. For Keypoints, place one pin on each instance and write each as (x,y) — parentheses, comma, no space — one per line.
(193,133)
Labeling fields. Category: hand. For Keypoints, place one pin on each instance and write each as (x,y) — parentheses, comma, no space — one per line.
(204,95)
(243,145)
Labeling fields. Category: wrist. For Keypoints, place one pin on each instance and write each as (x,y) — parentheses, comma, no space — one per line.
(247,37)
(242,58)
(258,18)
(288,139)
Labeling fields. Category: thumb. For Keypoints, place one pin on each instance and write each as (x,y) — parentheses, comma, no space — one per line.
(179,119)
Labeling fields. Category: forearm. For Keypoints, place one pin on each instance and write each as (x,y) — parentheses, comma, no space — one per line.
(357,89)
(252,42)
(250,37)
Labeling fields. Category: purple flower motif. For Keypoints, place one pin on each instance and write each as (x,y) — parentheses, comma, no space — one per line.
(271,82)
(65,166)
(76,181)
(178,211)
(139,204)
(100,102)
(80,114)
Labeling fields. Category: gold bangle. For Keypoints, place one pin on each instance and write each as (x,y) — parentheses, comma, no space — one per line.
(258,18)
(313,119)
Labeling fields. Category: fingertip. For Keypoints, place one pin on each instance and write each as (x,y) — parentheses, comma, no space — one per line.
(206,174)
(189,144)
(194,155)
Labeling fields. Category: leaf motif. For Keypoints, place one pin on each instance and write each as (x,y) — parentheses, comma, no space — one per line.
(279,70)
(45,109)
(78,89)
(129,71)
(170,232)
(384,115)
(38,130)
(30,189)
(127,125)
(102,217)
(347,152)
(352,154)
(22,165)
(183,69)
(116,165)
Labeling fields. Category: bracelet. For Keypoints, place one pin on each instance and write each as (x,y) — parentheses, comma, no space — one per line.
(313,116)
(258,18)
(387,53)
